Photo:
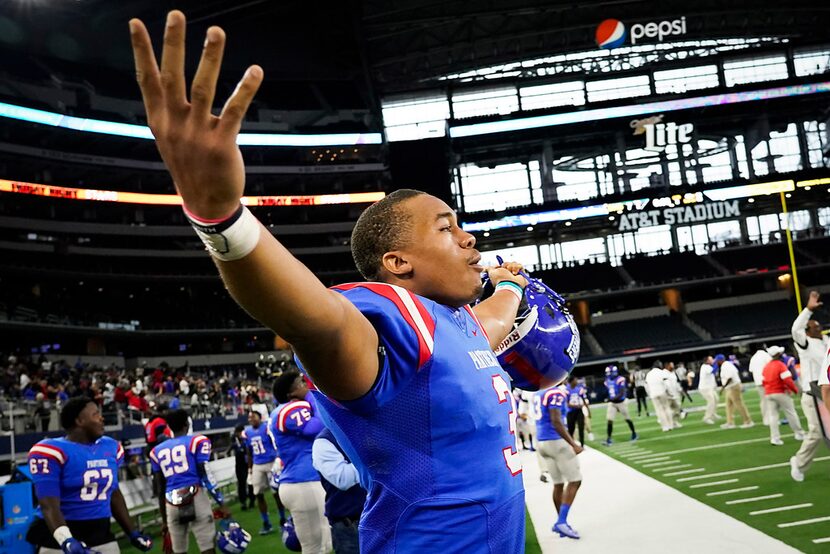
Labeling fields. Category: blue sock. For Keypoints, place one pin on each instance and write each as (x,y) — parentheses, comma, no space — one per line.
(282,514)
(563,513)
(265,520)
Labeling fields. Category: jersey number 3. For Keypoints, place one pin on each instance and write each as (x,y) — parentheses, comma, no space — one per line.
(511,453)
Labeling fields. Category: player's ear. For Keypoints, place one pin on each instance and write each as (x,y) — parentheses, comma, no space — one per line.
(396,263)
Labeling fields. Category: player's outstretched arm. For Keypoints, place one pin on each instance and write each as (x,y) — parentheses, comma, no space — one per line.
(336,343)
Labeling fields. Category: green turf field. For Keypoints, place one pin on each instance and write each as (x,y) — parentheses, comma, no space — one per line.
(272,544)
(724,468)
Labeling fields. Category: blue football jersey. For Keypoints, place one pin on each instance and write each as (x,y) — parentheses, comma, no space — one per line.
(82,476)
(577,396)
(259,441)
(617,389)
(434,439)
(549,403)
(178,459)
(294,426)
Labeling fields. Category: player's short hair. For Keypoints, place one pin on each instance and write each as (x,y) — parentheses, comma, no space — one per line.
(177,420)
(239,428)
(381,228)
(72,409)
(284,385)
(256,413)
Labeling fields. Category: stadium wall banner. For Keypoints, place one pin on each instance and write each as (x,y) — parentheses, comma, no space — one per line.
(680,215)
(659,134)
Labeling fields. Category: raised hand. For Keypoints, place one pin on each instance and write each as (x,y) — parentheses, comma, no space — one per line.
(813,302)
(198,148)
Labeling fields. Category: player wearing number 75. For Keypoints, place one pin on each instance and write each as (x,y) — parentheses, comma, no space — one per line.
(76,481)
(183,484)
(403,369)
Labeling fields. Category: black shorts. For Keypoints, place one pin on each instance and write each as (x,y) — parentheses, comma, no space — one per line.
(91,531)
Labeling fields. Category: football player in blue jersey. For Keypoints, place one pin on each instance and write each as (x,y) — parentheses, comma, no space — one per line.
(184,485)
(577,406)
(390,360)
(261,456)
(617,402)
(294,425)
(76,481)
(558,452)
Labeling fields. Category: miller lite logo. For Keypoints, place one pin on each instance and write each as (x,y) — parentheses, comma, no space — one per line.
(659,134)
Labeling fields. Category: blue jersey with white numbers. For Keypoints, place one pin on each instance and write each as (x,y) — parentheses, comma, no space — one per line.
(82,476)
(260,443)
(577,396)
(617,389)
(548,403)
(178,460)
(434,439)
(294,426)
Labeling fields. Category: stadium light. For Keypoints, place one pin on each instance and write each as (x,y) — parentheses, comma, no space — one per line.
(128,130)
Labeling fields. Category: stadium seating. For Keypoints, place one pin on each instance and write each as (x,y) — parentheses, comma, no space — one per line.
(646,333)
(583,277)
(748,319)
(669,267)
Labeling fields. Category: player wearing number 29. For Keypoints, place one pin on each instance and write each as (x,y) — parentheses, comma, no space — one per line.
(403,369)
(76,481)
(183,483)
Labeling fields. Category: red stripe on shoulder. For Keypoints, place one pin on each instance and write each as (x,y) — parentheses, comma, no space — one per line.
(475,318)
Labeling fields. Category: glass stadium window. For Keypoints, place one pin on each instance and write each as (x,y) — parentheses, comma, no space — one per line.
(525,255)
(768,227)
(550,96)
(497,188)
(755,69)
(497,101)
(647,168)
(740,154)
(574,251)
(811,61)
(620,245)
(614,89)
(654,239)
(415,117)
(816,135)
(694,238)
(761,158)
(538,195)
(785,146)
(686,79)
(797,221)
(724,232)
(824,217)
(752,231)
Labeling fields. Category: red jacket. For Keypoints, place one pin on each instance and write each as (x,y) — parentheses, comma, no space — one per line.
(778,379)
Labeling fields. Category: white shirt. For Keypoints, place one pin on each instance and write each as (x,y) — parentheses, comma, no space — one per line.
(728,372)
(824,373)
(707,378)
(673,384)
(656,382)
(756,366)
(811,351)
(24,380)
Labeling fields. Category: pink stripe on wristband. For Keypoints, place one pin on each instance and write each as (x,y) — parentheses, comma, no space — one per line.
(198,219)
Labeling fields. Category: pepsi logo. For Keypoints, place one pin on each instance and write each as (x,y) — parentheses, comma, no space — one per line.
(611,33)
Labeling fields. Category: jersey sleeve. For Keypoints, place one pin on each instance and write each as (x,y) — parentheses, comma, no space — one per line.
(154,461)
(406,331)
(298,418)
(46,463)
(120,455)
(200,448)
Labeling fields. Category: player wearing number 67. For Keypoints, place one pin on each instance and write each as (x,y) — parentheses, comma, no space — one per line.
(184,486)
(76,481)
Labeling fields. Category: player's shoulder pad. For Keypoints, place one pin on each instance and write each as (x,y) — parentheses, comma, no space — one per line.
(51,449)
(287,408)
(393,310)
(197,441)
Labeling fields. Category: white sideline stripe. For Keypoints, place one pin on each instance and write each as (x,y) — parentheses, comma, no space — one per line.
(781,509)
(649,460)
(684,472)
(641,454)
(754,499)
(675,465)
(822,540)
(732,491)
(751,469)
(721,445)
(673,434)
(655,464)
(805,522)
(712,484)
(647,457)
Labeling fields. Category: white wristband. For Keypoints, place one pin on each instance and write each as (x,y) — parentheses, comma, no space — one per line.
(515,288)
(229,239)
(61,534)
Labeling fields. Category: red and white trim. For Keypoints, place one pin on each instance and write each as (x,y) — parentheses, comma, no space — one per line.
(153,455)
(287,409)
(119,453)
(196,442)
(475,318)
(48,451)
(550,394)
(411,309)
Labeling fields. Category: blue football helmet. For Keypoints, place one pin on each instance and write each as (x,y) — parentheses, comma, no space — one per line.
(231,538)
(289,536)
(612,371)
(544,345)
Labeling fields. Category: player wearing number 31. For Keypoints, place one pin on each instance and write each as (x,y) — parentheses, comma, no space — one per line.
(183,483)
(403,369)
(76,481)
